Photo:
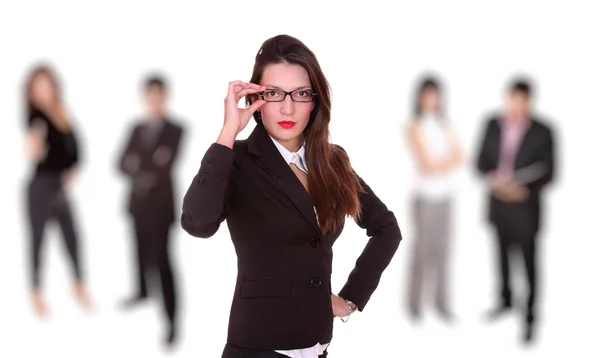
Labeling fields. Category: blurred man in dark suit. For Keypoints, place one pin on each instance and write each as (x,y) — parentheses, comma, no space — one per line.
(147,161)
(516,156)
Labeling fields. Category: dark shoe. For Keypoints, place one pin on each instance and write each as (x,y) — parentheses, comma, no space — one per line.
(498,312)
(171,336)
(528,334)
(446,316)
(415,315)
(134,301)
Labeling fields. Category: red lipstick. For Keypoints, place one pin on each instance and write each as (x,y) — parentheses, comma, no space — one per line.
(287,124)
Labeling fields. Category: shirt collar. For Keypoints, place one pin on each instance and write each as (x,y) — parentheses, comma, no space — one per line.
(155,123)
(288,156)
(524,124)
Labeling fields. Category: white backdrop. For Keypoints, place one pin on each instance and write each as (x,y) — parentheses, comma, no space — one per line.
(372,54)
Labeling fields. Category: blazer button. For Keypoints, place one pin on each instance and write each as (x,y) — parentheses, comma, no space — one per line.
(315,241)
(202,180)
(209,160)
(205,170)
(316,282)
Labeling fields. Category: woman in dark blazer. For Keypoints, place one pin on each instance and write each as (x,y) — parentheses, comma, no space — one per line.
(285,193)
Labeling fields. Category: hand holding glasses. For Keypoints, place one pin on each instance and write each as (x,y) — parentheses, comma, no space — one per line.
(236,118)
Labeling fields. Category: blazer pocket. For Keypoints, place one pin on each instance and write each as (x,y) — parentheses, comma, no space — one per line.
(266,287)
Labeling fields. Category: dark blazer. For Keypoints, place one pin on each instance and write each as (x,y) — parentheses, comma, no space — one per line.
(151,194)
(282,296)
(537,146)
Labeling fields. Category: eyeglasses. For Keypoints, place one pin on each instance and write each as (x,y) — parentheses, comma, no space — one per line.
(278,95)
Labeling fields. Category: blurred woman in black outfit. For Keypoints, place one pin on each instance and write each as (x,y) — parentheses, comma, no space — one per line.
(52,147)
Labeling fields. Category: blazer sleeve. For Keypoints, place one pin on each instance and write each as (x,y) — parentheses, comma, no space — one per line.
(384,238)
(175,146)
(546,156)
(484,164)
(128,157)
(211,194)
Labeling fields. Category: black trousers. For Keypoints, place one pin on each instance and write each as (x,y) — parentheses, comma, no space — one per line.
(522,239)
(232,351)
(152,254)
(46,201)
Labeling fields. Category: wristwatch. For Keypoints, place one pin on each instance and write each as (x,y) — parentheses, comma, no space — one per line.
(351,308)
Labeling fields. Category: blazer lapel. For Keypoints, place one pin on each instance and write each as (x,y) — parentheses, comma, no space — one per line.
(270,160)
(494,142)
(162,135)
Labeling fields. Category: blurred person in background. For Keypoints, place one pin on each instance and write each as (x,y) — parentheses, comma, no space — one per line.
(516,157)
(53,149)
(438,153)
(147,161)
(285,192)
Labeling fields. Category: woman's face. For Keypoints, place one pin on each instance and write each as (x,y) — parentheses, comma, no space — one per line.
(42,91)
(286,120)
(430,101)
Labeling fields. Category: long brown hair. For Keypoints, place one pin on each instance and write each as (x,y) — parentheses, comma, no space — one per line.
(334,186)
(57,113)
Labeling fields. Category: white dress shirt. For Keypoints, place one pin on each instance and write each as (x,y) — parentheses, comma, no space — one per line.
(298,159)
(435,135)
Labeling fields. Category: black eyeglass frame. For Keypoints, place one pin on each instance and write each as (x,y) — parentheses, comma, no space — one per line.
(285,94)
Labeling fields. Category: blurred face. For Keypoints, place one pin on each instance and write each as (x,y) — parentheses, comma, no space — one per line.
(155,101)
(430,101)
(42,91)
(286,120)
(517,105)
